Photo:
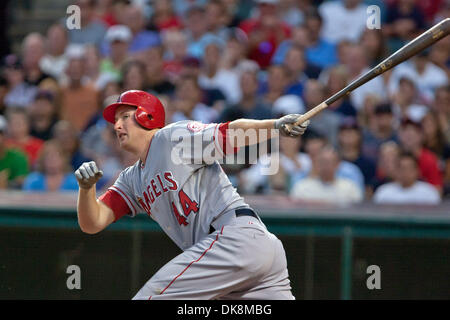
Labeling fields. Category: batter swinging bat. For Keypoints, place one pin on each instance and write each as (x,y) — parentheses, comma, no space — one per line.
(426,39)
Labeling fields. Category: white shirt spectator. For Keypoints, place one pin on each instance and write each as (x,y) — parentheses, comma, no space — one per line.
(201,113)
(419,193)
(373,87)
(340,191)
(54,66)
(426,83)
(340,23)
(256,176)
(226,81)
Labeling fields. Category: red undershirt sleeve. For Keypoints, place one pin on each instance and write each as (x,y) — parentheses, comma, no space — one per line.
(116,203)
(224,139)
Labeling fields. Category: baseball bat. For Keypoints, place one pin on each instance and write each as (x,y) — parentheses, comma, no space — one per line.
(426,39)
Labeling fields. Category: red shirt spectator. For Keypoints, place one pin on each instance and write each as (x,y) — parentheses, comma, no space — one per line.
(429,169)
(265,33)
(411,138)
(19,135)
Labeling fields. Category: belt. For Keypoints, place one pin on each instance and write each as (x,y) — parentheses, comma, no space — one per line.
(239,213)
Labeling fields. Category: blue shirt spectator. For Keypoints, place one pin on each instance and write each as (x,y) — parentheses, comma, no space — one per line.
(37,181)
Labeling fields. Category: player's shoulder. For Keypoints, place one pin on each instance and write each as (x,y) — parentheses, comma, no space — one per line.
(188,125)
(130,170)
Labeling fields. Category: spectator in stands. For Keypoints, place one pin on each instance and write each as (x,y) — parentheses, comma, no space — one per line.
(387,163)
(338,78)
(142,39)
(216,18)
(440,54)
(19,93)
(404,22)
(406,102)
(442,107)
(53,173)
(291,13)
(350,149)
(92,29)
(374,45)
(265,32)
(3,92)
(54,61)
(412,140)
(290,161)
(277,83)
(327,122)
(313,145)
(336,17)
(197,32)
(13,163)
(426,76)
(96,79)
(380,129)
(118,38)
(163,17)
(67,137)
(234,57)
(358,65)
(33,49)
(318,50)
(111,12)
(295,63)
(213,77)
(209,97)
(175,44)
(43,114)
(156,80)
(326,187)
(188,102)
(446,157)
(300,40)
(250,106)
(79,101)
(19,135)
(407,189)
(133,76)
(434,138)
(287,104)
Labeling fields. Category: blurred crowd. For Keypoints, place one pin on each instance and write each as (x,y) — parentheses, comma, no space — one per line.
(221,60)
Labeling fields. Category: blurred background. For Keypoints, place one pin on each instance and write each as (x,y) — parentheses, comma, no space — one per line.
(368,184)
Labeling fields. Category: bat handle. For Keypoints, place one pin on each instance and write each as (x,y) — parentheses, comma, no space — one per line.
(311,113)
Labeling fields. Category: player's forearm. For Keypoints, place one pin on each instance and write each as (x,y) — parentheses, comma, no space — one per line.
(88,210)
(259,130)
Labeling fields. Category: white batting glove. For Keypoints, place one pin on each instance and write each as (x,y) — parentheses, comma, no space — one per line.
(88,174)
(287,128)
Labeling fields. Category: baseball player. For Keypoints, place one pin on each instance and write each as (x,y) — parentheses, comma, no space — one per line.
(227,251)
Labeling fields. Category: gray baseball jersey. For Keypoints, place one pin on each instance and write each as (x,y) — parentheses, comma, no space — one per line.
(177,188)
(182,186)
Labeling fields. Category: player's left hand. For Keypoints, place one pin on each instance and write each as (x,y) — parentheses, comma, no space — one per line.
(287,128)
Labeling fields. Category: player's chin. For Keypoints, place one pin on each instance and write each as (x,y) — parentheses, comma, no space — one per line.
(123,141)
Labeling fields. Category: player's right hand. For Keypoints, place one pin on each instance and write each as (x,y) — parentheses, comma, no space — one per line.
(287,125)
(88,174)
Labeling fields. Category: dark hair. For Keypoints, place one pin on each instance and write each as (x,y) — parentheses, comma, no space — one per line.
(313,13)
(406,154)
(383,108)
(45,95)
(127,67)
(196,9)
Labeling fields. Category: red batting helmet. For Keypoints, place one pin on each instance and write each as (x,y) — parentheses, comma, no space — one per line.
(149,113)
